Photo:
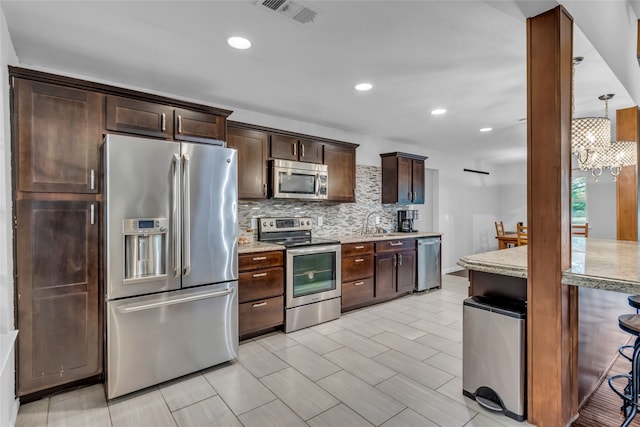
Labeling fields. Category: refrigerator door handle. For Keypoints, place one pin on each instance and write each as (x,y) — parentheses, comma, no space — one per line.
(176,215)
(186,220)
(129,308)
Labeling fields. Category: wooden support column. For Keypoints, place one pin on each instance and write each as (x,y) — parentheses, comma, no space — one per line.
(552,308)
(627,125)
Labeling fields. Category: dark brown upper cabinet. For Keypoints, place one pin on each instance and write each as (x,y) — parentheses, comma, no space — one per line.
(57,135)
(291,148)
(139,117)
(253,154)
(341,163)
(402,178)
(195,126)
(162,121)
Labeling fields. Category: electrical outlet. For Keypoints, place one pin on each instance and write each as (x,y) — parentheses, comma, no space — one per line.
(254,223)
(377,220)
(319,221)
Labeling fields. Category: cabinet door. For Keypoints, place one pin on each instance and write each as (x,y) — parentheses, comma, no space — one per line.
(284,147)
(60,338)
(253,153)
(406,271)
(417,181)
(310,151)
(341,163)
(139,117)
(57,130)
(385,278)
(195,126)
(405,179)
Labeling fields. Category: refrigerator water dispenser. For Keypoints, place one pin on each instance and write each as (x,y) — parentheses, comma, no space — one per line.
(145,247)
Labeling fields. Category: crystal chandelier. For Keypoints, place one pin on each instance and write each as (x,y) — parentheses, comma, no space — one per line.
(591,135)
(620,154)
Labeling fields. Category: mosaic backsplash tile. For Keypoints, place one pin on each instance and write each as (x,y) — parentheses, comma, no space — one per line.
(337,218)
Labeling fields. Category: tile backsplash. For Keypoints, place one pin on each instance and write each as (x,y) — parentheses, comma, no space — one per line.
(337,218)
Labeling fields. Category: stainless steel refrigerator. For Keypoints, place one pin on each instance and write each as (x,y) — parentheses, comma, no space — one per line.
(170,260)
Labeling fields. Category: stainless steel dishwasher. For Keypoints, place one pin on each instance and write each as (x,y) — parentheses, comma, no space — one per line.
(429,267)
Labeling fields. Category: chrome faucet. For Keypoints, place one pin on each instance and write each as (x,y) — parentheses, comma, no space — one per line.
(365,228)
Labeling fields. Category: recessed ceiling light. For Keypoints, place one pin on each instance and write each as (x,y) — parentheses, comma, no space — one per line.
(486,129)
(239,43)
(363,86)
(438,111)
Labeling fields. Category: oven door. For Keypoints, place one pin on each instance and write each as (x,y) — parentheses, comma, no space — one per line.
(313,274)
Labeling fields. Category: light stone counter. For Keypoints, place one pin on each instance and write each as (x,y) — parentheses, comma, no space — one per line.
(357,238)
(612,265)
(257,246)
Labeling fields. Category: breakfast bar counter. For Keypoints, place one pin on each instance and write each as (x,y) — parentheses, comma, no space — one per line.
(612,265)
(604,271)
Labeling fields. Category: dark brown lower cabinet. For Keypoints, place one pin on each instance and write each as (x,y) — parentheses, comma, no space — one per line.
(260,292)
(58,305)
(406,271)
(395,271)
(385,275)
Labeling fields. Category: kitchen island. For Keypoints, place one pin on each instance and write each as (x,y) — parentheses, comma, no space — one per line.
(605,271)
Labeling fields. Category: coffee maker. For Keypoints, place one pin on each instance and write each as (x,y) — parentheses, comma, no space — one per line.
(405,220)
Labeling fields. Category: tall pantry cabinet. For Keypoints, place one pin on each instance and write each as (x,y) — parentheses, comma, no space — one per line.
(56,133)
(57,126)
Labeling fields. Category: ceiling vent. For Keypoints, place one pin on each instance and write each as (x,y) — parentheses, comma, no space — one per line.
(290,9)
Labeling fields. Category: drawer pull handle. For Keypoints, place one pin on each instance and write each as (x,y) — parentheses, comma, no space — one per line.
(260,304)
(359,247)
(260,258)
(259,274)
(358,284)
(358,260)
(396,244)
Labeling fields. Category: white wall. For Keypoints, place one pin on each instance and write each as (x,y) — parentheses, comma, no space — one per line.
(8,403)
(601,205)
(513,195)
(601,200)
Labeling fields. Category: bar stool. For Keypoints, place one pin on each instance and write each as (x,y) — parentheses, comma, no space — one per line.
(634,301)
(629,323)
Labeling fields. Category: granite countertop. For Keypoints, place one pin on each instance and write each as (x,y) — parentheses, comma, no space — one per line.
(595,263)
(257,246)
(356,238)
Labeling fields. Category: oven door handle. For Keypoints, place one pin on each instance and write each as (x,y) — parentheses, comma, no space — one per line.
(317,185)
(314,249)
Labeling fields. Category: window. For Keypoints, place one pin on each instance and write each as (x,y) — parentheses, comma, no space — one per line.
(578,200)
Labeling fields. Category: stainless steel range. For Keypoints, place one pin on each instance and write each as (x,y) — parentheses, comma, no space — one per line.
(313,273)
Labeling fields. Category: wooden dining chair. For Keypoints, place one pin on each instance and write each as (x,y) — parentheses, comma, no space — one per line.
(499,228)
(580,230)
(522,235)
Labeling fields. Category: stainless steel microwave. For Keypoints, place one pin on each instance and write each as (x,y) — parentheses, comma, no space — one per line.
(298,180)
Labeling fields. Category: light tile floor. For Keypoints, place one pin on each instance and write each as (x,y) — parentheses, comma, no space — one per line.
(394,364)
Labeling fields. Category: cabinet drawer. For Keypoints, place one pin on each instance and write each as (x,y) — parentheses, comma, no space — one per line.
(253,285)
(263,314)
(357,292)
(395,245)
(357,267)
(352,249)
(259,260)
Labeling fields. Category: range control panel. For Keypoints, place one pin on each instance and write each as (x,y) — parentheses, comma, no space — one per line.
(268,225)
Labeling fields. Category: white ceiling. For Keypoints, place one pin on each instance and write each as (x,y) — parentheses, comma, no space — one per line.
(466,56)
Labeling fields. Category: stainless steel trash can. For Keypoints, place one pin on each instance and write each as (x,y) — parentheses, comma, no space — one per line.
(494,354)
